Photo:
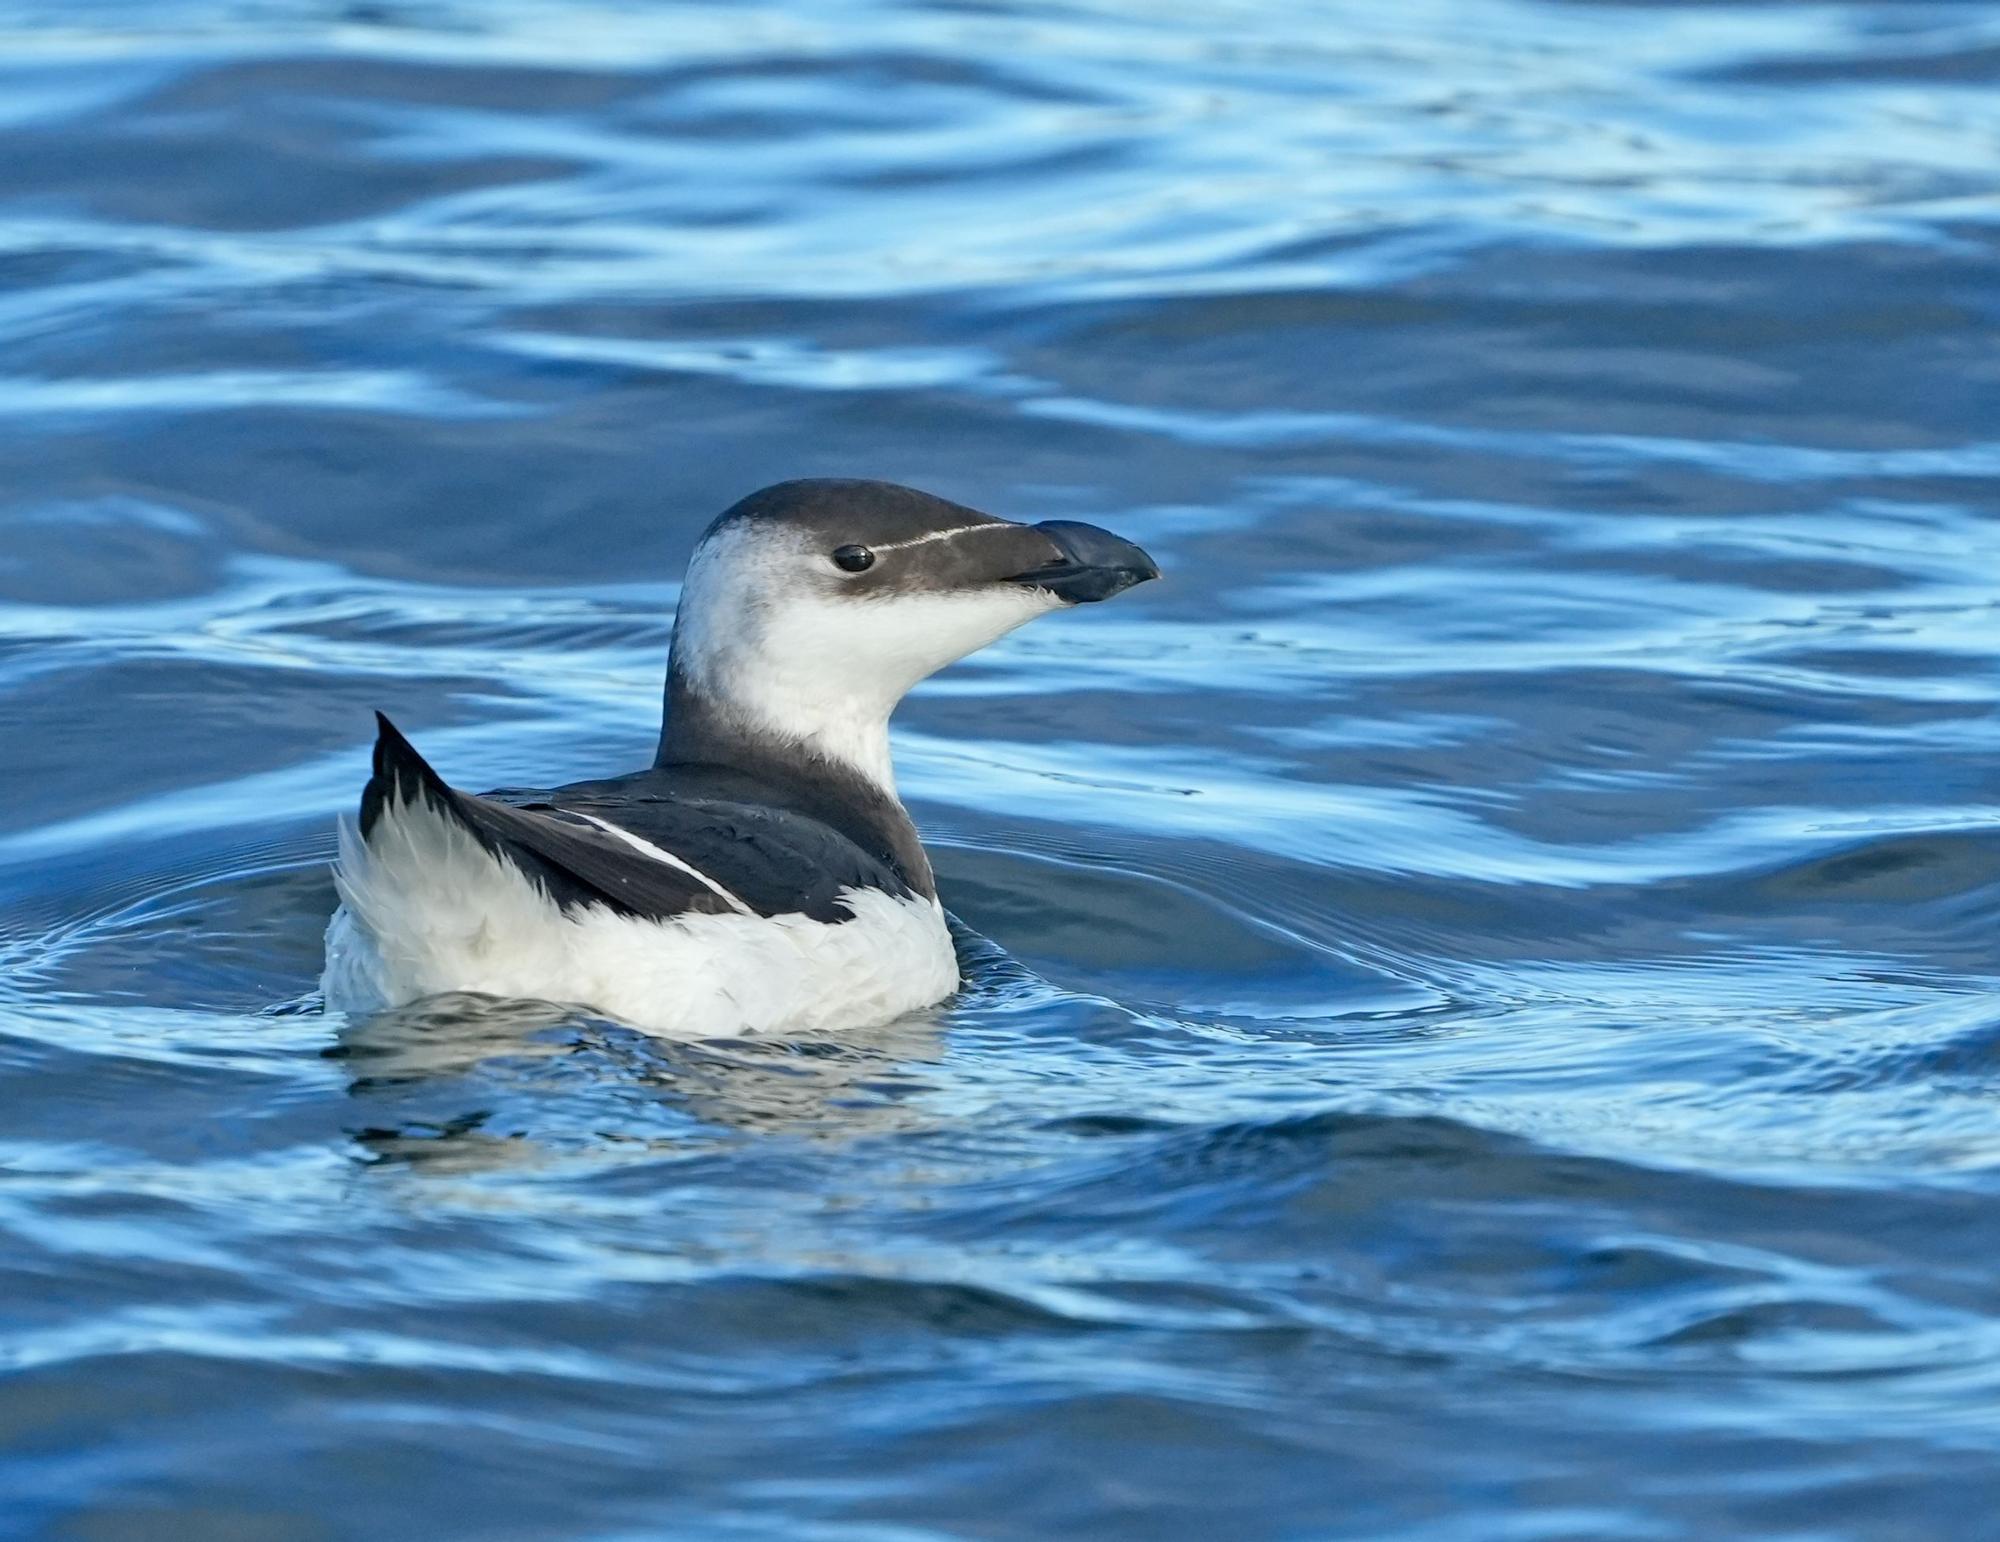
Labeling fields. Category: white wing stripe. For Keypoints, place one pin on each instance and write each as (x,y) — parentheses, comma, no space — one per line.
(639,844)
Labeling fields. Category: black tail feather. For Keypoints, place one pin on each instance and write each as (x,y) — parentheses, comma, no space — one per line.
(401,776)
(572,863)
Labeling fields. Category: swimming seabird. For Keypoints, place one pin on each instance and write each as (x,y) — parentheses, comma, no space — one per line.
(761,876)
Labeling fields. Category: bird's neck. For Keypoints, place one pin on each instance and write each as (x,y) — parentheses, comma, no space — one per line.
(827,759)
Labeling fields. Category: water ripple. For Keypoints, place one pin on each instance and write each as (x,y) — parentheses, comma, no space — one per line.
(1478,1014)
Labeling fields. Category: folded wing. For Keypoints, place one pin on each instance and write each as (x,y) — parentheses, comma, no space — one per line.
(636,847)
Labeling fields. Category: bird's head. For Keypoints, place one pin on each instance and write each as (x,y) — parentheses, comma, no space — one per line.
(811,607)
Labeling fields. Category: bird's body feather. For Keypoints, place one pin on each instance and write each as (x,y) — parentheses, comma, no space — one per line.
(686,915)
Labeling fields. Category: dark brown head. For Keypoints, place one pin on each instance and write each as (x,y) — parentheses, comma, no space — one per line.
(811,607)
(872,540)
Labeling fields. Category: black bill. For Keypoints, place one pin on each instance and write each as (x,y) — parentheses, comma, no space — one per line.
(1088,563)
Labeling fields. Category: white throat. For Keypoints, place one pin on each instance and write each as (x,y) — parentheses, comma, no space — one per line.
(771,645)
(848,730)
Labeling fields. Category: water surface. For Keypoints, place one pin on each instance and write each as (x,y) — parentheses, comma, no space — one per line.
(1480,1016)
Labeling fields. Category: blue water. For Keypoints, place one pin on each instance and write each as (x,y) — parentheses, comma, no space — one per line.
(1486,1027)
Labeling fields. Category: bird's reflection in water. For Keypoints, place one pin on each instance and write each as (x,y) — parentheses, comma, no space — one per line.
(466,1083)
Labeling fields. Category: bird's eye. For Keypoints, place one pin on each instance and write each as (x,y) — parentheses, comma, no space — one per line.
(853,559)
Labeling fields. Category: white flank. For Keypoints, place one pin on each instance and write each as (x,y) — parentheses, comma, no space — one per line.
(426,909)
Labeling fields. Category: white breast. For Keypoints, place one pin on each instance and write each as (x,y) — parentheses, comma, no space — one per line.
(426,909)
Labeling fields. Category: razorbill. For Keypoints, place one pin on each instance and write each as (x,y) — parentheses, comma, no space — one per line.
(761,876)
